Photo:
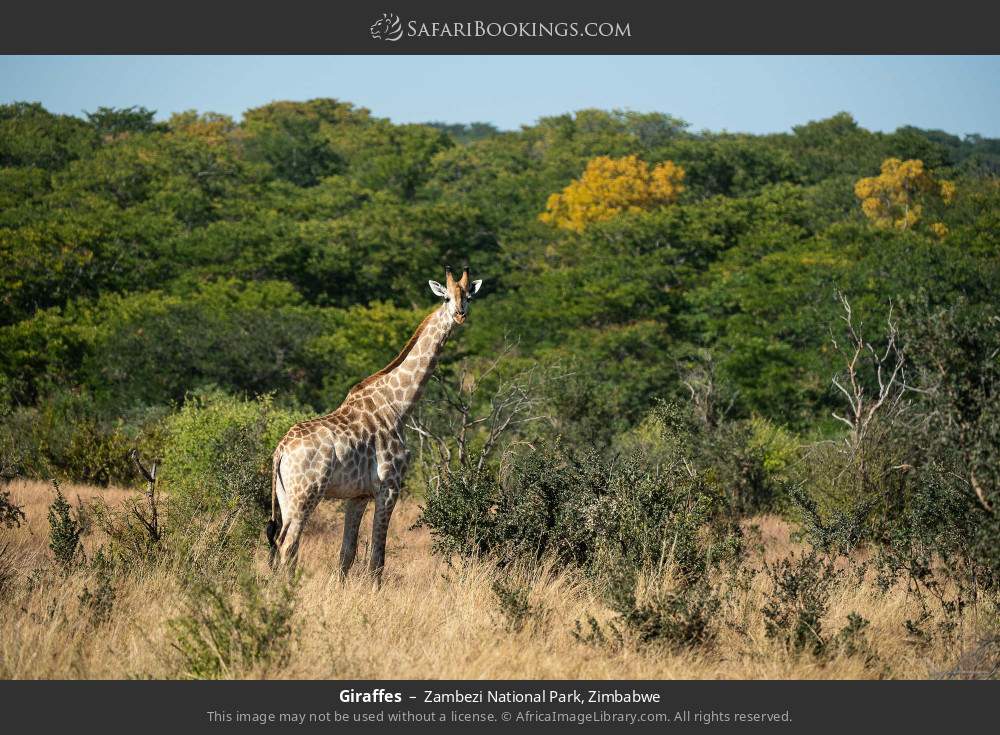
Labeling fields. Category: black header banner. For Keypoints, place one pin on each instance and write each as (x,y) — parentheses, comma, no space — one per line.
(513,26)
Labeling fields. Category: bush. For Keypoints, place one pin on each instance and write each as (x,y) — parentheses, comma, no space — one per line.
(65,531)
(217,461)
(917,483)
(11,516)
(747,460)
(515,606)
(585,511)
(67,435)
(799,601)
(228,633)
(97,603)
(8,569)
(935,542)
(956,351)
(852,640)
(130,543)
(679,617)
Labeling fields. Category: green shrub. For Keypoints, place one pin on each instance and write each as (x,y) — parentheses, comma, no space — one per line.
(852,640)
(8,569)
(744,467)
(67,435)
(746,460)
(97,603)
(921,528)
(583,510)
(130,544)
(217,461)
(513,600)
(780,448)
(918,486)
(65,531)
(798,605)
(917,481)
(957,353)
(226,633)
(935,540)
(681,616)
(597,635)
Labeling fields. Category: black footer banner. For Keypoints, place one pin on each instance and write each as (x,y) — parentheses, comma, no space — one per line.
(496,706)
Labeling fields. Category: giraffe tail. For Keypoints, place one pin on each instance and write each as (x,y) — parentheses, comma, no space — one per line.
(272,527)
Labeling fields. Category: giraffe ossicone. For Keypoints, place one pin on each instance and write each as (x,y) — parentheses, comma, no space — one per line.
(358,452)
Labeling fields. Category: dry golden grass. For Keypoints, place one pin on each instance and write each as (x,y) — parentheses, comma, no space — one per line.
(429,620)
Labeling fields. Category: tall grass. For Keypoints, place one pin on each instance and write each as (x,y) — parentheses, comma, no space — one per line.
(435,619)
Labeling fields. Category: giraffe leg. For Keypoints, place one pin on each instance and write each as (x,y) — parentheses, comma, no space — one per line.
(385,501)
(291,534)
(353,512)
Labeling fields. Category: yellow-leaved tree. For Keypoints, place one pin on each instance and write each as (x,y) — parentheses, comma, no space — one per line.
(610,186)
(896,197)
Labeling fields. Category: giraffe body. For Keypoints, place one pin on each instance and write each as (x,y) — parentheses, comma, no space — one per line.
(358,453)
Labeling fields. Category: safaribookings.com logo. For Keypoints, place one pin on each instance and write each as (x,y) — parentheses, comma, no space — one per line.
(387,28)
(390,28)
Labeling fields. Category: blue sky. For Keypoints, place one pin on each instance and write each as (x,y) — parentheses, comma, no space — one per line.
(737,93)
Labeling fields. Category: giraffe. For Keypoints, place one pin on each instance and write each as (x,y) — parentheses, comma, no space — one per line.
(358,452)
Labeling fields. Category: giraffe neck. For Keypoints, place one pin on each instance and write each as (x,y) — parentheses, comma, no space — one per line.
(402,384)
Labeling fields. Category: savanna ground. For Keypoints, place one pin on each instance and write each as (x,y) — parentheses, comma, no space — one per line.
(433,618)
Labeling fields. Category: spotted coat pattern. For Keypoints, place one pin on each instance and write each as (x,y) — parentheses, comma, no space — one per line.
(358,452)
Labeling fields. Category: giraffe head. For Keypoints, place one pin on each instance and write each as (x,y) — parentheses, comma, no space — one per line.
(456,294)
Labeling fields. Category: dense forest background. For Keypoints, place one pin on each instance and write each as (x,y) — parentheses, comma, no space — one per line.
(147,262)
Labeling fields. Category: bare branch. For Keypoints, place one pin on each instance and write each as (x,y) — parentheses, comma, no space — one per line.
(882,370)
(471,415)
(151,523)
(979,491)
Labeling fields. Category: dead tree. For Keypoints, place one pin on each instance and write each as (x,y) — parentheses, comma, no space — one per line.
(882,396)
(150,523)
(873,382)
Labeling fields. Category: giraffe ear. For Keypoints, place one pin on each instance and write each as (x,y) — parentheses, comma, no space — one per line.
(438,289)
(475,288)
